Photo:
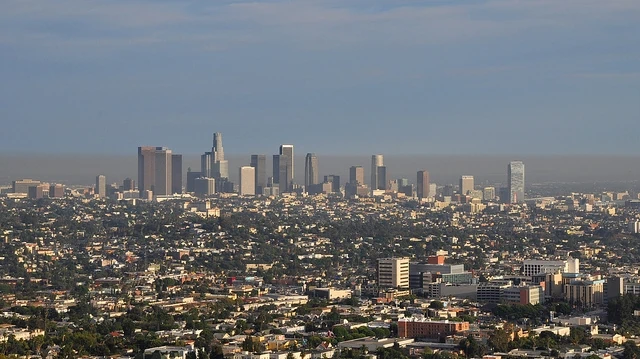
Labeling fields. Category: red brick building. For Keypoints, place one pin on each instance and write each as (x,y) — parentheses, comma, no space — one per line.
(424,328)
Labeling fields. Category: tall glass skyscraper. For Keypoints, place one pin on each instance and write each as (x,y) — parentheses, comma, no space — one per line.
(310,170)
(516,182)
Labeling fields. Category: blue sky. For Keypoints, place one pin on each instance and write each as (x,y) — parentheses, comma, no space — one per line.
(330,76)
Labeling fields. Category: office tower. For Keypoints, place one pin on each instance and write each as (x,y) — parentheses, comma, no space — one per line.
(423,185)
(154,170)
(489,193)
(56,191)
(22,186)
(287,150)
(381,177)
(466,184)
(356,175)
(218,166)
(128,184)
(393,272)
(176,174)
(516,182)
(217,150)
(247,181)
(191,180)
(335,182)
(204,186)
(281,165)
(259,162)
(163,172)
(206,162)
(310,170)
(376,161)
(433,189)
(101,186)
(37,191)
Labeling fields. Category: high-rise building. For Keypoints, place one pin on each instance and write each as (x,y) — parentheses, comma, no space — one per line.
(154,170)
(217,149)
(356,175)
(335,182)
(247,181)
(281,173)
(128,184)
(489,193)
(22,186)
(176,174)
(393,272)
(101,186)
(163,172)
(191,180)
(376,161)
(516,181)
(382,177)
(287,150)
(219,166)
(423,186)
(310,170)
(259,162)
(466,184)
(206,161)
(56,191)
(204,186)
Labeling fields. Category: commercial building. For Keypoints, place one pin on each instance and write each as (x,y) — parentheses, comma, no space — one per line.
(356,175)
(128,184)
(176,174)
(489,193)
(423,186)
(376,182)
(415,327)
(466,184)
(22,186)
(259,162)
(531,267)
(516,181)
(204,186)
(154,170)
(335,182)
(287,150)
(585,293)
(191,178)
(101,186)
(310,170)
(247,181)
(281,173)
(393,273)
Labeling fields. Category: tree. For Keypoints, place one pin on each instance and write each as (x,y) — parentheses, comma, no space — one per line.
(499,341)
(436,304)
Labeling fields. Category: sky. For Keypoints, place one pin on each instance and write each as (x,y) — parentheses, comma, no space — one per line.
(329,76)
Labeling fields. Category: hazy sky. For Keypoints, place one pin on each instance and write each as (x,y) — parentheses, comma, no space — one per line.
(330,76)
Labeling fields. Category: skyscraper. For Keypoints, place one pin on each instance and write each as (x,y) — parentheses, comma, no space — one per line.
(335,182)
(356,175)
(287,150)
(128,184)
(281,172)
(516,181)
(310,170)
(154,170)
(382,177)
(219,166)
(206,161)
(466,184)
(247,181)
(423,185)
(176,173)
(101,186)
(163,171)
(146,168)
(376,161)
(259,162)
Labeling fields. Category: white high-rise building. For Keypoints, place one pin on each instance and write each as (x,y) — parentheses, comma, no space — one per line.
(393,272)
(101,186)
(377,161)
(516,181)
(247,181)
